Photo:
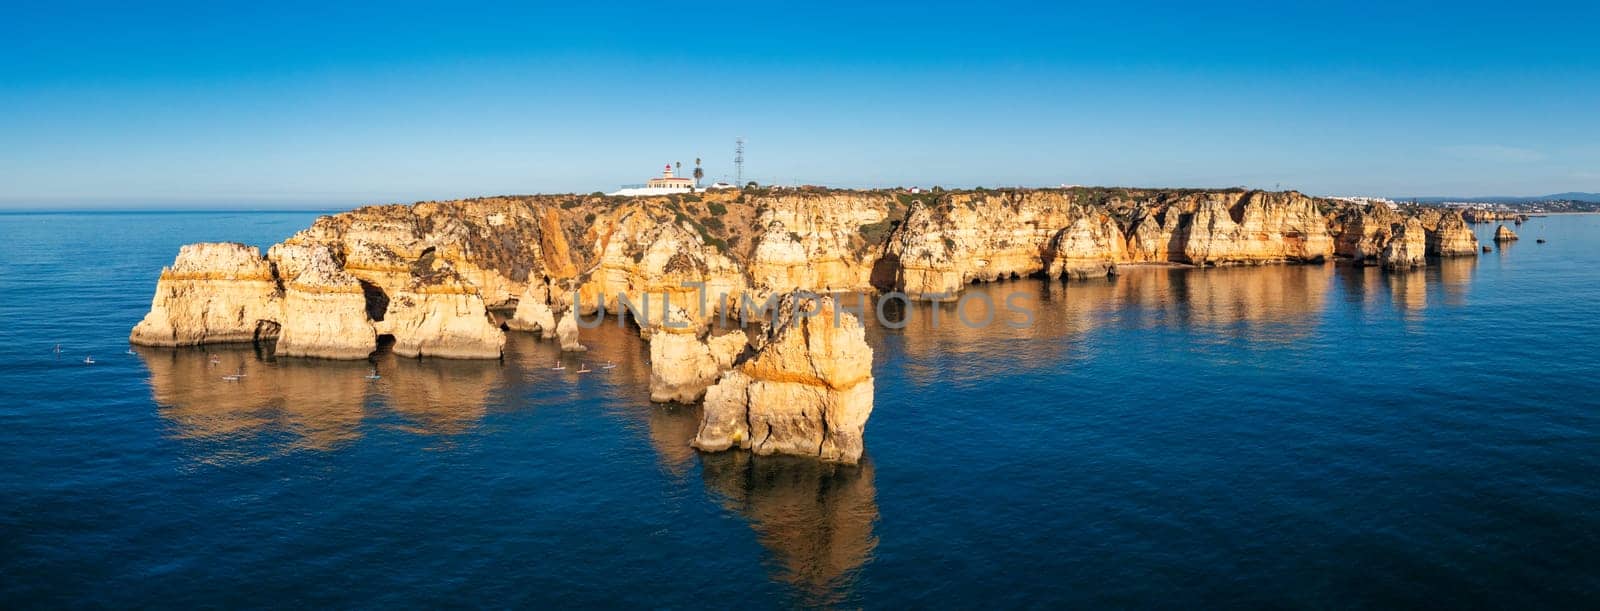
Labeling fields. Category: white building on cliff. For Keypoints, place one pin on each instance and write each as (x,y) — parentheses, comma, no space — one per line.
(665,184)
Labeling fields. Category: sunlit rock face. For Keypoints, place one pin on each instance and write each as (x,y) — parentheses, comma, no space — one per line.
(534,312)
(567,333)
(428,273)
(439,314)
(823,242)
(1364,232)
(494,244)
(1407,249)
(805,390)
(683,364)
(1504,234)
(1088,248)
(652,262)
(1229,228)
(324,307)
(213,293)
(1449,235)
(983,236)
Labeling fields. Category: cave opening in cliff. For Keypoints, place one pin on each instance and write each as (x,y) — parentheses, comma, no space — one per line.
(385,343)
(377,300)
(266,331)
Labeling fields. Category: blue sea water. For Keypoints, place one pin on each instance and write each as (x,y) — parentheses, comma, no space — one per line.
(1287,436)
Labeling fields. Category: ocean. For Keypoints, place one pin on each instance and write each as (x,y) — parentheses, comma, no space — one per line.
(1282,436)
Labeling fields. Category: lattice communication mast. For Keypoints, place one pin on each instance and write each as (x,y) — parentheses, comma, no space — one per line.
(738,161)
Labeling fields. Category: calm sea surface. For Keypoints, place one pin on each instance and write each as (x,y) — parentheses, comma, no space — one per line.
(1309,436)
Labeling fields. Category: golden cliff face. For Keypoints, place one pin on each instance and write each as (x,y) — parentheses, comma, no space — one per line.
(213,293)
(1449,235)
(429,273)
(817,241)
(983,236)
(324,307)
(806,390)
(1378,235)
(654,262)
(1230,228)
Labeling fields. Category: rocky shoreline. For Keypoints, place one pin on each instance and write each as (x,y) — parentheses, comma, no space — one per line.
(432,279)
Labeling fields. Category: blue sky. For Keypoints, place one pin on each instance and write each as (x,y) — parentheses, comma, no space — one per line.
(308,105)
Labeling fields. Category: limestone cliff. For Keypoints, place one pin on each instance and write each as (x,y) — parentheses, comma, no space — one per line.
(1407,249)
(1449,235)
(655,263)
(1504,234)
(438,313)
(806,390)
(985,236)
(1230,227)
(683,364)
(818,241)
(213,293)
(428,273)
(324,310)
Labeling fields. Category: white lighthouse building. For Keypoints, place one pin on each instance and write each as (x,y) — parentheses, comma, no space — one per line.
(665,184)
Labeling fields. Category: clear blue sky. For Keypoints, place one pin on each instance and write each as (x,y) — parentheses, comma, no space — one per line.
(306,104)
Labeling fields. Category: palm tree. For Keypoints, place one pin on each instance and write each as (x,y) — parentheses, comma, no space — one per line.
(698,173)
(678,171)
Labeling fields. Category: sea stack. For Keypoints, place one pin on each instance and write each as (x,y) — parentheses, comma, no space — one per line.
(684,362)
(214,293)
(1504,234)
(1407,249)
(806,390)
(1450,236)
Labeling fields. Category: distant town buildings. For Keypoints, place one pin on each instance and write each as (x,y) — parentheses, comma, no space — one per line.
(1364,200)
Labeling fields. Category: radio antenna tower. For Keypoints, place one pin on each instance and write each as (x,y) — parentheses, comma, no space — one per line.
(738,161)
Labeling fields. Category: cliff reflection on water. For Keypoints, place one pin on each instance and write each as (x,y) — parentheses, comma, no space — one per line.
(818,524)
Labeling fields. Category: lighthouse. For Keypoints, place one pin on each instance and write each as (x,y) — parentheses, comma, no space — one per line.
(667,181)
(665,184)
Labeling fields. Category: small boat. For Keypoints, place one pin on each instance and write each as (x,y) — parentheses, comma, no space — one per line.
(132,353)
(57,350)
(88,360)
(374,375)
(559,366)
(609,366)
(584,368)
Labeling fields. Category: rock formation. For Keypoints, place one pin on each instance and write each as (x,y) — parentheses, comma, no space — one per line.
(534,312)
(567,332)
(213,293)
(1251,227)
(1449,235)
(438,313)
(988,236)
(818,241)
(1407,249)
(683,364)
(1504,234)
(324,310)
(429,274)
(805,390)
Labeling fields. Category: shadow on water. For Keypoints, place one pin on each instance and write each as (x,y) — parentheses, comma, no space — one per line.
(816,520)
(240,396)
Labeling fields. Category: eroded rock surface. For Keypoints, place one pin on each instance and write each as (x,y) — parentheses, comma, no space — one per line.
(807,390)
(213,293)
